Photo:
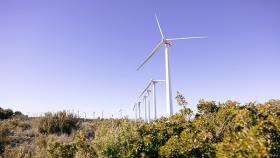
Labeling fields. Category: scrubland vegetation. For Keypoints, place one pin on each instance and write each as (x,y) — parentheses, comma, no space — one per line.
(218,130)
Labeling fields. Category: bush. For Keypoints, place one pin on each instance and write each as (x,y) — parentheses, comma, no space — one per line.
(115,138)
(78,148)
(206,106)
(18,113)
(4,136)
(87,130)
(83,148)
(220,130)
(58,150)
(6,113)
(58,123)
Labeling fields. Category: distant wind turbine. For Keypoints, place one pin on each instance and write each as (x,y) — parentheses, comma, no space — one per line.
(120,111)
(149,105)
(145,106)
(166,42)
(153,84)
(139,110)
(135,109)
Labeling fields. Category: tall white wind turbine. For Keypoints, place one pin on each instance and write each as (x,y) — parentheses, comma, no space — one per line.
(166,42)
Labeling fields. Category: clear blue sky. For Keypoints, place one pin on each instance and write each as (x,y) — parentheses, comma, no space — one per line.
(83,55)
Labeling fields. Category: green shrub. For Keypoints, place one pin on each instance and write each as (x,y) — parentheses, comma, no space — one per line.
(84,149)
(78,148)
(87,130)
(206,106)
(58,123)
(58,150)
(116,138)
(6,113)
(223,130)
(18,113)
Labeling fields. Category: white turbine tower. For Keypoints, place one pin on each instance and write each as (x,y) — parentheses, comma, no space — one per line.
(153,84)
(154,100)
(120,111)
(149,105)
(166,42)
(145,107)
(139,110)
(135,109)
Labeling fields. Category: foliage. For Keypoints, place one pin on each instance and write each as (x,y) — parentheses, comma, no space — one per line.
(155,135)
(84,149)
(58,150)
(8,113)
(78,148)
(226,129)
(4,136)
(181,99)
(58,123)
(206,106)
(187,112)
(116,138)
(229,131)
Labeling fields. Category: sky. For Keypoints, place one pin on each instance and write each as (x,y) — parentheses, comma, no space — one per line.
(83,55)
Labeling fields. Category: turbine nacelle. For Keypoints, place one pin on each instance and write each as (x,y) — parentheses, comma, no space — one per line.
(166,42)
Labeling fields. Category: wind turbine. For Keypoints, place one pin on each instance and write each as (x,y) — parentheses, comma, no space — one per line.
(149,105)
(153,84)
(120,111)
(135,109)
(139,110)
(166,42)
(145,106)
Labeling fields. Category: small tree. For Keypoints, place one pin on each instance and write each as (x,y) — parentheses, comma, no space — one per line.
(6,113)
(183,104)
(17,113)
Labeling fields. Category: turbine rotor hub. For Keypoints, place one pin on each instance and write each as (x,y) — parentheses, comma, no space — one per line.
(165,41)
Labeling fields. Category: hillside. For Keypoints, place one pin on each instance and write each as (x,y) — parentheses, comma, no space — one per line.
(218,130)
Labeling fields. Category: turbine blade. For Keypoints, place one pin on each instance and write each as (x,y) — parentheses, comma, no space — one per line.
(159,27)
(159,80)
(184,38)
(150,55)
